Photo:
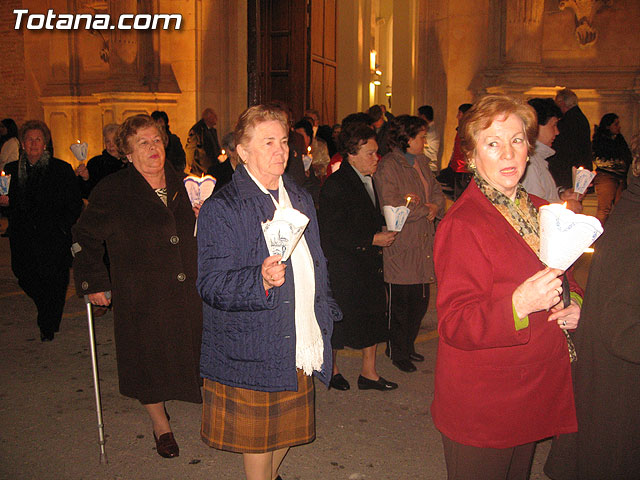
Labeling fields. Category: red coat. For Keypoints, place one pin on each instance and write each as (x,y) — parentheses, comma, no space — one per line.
(494,386)
(458,162)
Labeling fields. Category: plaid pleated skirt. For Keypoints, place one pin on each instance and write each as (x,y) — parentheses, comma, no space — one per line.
(248,421)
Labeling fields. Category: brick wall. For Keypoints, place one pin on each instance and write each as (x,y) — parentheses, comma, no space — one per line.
(13,102)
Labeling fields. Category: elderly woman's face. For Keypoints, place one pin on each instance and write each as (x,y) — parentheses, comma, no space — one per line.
(148,151)
(110,144)
(366,161)
(33,145)
(266,153)
(416,144)
(501,154)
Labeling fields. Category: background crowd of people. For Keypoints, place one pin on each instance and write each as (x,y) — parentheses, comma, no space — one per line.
(216,318)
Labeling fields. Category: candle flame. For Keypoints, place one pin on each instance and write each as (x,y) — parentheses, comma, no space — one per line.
(78,141)
(309,149)
(2,174)
(223,152)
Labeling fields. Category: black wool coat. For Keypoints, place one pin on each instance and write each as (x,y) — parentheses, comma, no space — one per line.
(348,221)
(607,373)
(41,213)
(153,254)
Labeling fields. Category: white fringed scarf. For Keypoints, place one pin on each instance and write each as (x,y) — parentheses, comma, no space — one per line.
(309,343)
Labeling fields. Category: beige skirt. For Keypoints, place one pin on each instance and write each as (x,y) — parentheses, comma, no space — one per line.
(249,421)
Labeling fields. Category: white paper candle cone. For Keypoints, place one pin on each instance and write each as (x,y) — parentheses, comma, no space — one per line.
(284,231)
(582,179)
(395,217)
(307,161)
(199,188)
(5,181)
(80,151)
(564,235)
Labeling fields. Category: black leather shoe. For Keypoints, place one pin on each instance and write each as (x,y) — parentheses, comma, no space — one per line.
(405,365)
(339,382)
(166,445)
(46,336)
(416,357)
(380,384)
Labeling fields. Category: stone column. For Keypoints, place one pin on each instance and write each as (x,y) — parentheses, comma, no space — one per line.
(523,32)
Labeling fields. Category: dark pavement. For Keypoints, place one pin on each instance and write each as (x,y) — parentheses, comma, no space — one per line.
(48,427)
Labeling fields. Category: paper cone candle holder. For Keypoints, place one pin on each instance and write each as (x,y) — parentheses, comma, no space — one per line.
(564,235)
(582,179)
(5,181)
(284,231)
(199,188)
(80,150)
(395,217)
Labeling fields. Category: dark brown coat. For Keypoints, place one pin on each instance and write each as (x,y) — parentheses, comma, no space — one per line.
(153,254)
(409,260)
(607,373)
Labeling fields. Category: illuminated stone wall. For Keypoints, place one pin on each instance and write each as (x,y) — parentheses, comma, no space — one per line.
(78,81)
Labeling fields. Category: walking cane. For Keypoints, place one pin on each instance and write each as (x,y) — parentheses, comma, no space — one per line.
(96,381)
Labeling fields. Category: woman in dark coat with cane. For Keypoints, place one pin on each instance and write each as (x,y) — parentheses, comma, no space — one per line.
(144,217)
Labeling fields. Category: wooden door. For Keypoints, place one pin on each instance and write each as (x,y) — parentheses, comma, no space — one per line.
(292,54)
(322,60)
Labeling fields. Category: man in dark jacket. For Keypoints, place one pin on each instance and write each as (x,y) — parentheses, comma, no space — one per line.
(573,143)
(173,151)
(202,147)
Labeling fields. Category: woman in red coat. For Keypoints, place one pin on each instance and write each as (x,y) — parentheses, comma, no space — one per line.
(503,378)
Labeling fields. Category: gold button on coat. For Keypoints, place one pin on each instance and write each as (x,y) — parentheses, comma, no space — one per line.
(181,277)
(174,239)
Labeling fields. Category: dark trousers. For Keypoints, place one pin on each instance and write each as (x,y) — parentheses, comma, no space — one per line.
(49,294)
(407,306)
(460,182)
(474,463)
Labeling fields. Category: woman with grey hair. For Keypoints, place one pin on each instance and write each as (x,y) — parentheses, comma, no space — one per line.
(267,323)
(143,216)
(108,162)
(44,202)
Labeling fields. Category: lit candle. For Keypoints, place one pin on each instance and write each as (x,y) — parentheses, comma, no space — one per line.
(408,201)
(4,183)
(223,152)
(309,151)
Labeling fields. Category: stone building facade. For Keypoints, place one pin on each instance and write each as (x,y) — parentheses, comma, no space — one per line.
(438,52)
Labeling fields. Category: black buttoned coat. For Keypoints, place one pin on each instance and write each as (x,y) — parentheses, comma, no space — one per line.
(348,221)
(153,254)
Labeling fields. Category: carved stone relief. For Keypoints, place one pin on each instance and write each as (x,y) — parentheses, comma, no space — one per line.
(585,11)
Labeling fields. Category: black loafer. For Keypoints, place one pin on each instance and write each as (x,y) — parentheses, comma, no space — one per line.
(166,445)
(46,336)
(405,365)
(380,384)
(416,357)
(339,382)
